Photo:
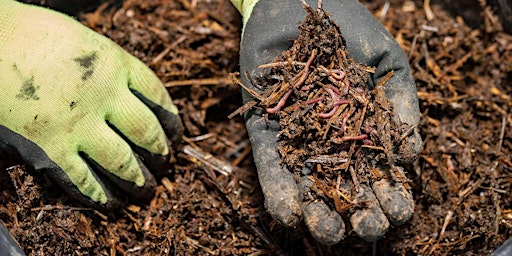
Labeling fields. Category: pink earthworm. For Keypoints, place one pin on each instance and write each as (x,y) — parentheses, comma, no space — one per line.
(281,102)
(337,74)
(306,70)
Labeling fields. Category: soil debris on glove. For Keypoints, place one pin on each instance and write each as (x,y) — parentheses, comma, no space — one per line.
(334,129)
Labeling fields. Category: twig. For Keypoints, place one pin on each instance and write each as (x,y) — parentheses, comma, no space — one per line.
(242,156)
(428,12)
(352,148)
(353,174)
(373,147)
(502,133)
(161,55)
(61,207)
(281,63)
(196,244)
(447,219)
(209,160)
(203,81)
(406,134)
(243,108)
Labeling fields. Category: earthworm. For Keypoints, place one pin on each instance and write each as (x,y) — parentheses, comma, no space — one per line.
(337,74)
(281,102)
(306,69)
(347,138)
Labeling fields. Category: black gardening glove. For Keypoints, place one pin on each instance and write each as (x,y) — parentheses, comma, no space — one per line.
(269,27)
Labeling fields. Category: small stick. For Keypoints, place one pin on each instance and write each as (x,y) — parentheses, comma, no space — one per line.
(62,207)
(249,90)
(502,133)
(346,86)
(373,147)
(352,148)
(447,219)
(243,108)
(360,98)
(406,133)
(202,81)
(281,63)
(209,160)
(354,177)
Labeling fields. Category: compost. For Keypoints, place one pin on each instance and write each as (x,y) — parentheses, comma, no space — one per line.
(210,202)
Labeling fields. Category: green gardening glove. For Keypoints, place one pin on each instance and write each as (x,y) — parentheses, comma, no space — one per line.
(269,25)
(74,104)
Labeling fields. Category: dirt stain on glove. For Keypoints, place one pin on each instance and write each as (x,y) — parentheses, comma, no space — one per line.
(87,63)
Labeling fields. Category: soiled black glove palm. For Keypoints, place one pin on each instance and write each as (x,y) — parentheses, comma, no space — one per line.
(268,29)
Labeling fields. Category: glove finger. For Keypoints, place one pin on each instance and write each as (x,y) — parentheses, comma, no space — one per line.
(78,179)
(278,184)
(325,225)
(123,190)
(136,122)
(368,221)
(394,199)
(410,148)
(9,246)
(150,90)
(114,158)
(138,125)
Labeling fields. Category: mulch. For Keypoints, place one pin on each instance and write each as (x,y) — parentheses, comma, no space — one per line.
(210,203)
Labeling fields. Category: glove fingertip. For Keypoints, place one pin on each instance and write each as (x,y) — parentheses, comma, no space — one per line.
(369,222)
(325,225)
(395,200)
(170,122)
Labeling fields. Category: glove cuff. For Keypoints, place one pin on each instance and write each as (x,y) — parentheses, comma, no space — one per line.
(11,11)
(245,8)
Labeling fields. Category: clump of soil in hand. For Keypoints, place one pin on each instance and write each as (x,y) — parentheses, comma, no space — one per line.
(334,129)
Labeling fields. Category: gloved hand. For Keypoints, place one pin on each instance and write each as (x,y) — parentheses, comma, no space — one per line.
(269,26)
(74,104)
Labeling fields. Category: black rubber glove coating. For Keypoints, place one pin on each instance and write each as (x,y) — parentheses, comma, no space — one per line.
(36,158)
(8,246)
(269,31)
(505,249)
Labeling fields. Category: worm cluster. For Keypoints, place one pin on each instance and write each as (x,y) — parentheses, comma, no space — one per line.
(334,129)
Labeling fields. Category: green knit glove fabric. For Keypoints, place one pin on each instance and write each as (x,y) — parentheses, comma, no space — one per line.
(75,104)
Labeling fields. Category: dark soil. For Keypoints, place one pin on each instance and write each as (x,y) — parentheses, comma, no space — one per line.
(210,203)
